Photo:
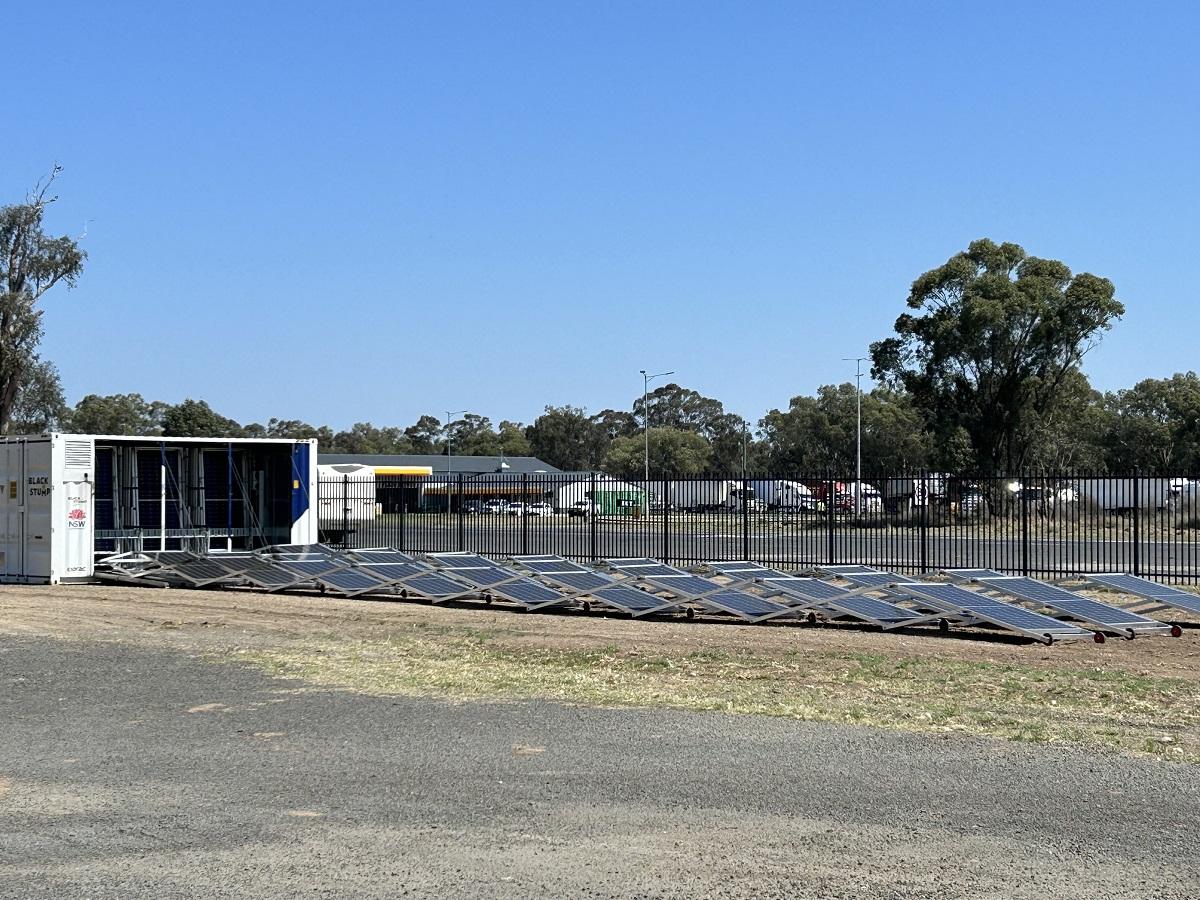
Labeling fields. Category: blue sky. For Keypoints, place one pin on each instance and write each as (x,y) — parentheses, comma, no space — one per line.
(348,212)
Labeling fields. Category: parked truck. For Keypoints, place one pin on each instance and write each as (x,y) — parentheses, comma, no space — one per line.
(786,495)
(709,495)
(902,494)
(1121,495)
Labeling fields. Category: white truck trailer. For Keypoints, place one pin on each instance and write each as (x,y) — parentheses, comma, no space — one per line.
(712,494)
(782,494)
(67,499)
(1119,495)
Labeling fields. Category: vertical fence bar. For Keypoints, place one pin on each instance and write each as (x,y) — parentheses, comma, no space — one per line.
(745,519)
(459,523)
(593,515)
(1024,482)
(666,523)
(1137,527)
(923,523)
(830,497)
(525,518)
(403,508)
(345,510)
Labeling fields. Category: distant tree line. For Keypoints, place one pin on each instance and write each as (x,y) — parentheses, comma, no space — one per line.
(1153,426)
(982,375)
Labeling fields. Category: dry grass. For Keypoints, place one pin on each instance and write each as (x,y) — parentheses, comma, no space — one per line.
(1087,707)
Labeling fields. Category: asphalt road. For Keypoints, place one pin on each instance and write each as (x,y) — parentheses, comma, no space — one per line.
(690,541)
(140,774)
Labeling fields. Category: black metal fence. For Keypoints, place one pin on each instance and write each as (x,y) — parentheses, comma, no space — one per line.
(1047,526)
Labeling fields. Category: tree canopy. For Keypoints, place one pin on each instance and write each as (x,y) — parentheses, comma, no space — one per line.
(31,263)
(997,335)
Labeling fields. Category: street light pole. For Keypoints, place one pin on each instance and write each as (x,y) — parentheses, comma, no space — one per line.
(858,361)
(646,379)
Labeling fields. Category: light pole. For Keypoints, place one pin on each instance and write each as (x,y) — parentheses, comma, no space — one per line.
(449,452)
(646,379)
(858,361)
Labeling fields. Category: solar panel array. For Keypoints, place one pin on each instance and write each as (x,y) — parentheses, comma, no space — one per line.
(644,586)
(1071,604)
(1024,620)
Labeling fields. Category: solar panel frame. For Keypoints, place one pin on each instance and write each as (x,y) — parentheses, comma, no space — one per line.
(875,579)
(692,588)
(531,594)
(833,600)
(848,570)
(1077,606)
(626,598)
(1162,594)
(997,612)
(200,571)
(968,574)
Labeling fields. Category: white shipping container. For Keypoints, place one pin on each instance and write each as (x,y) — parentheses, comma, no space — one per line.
(150,493)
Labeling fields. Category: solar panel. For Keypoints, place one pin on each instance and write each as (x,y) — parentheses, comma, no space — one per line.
(747,604)
(463,560)
(393,571)
(849,570)
(1149,590)
(550,567)
(257,570)
(322,549)
(874,579)
(582,581)
(989,607)
(434,585)
(169,557)
(972,574)
(629,599)
(632,563)
(199,570)
(1071,604)
(351,581)
(382,556)
(682,584)
(529,593)
(842,600)
(483,577)
(742,569)
(308,567)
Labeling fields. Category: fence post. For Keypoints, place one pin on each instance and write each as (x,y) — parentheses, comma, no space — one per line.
(592,513)
(1024,482)
(345,510)
(666,523)
(923,522)
(1137,526)
(830,497)
(403,508)
(745,520)
(525,518)
(461,529)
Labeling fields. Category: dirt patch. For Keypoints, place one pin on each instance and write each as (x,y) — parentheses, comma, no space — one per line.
(1141,696)
(213,620)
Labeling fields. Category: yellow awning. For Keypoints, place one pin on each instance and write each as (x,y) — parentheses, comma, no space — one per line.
(403,470)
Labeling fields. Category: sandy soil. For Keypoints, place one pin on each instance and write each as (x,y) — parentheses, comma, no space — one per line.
(220,620)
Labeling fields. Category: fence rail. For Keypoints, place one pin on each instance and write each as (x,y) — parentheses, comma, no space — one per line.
(1046,526)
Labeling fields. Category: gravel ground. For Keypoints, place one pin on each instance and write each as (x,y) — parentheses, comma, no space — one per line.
(132,772)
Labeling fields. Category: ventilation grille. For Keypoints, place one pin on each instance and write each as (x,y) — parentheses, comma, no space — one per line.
(77,455)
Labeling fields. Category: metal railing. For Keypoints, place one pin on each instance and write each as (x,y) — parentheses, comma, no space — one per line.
(1046,526)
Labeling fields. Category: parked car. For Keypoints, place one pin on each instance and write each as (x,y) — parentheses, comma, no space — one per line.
(493,507)
(516,508)
(583,508)
(539,509)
